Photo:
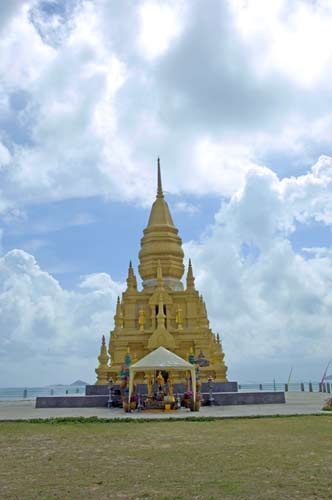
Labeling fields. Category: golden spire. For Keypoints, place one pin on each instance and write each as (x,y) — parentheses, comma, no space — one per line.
(160,214)
(131,280)
(160,193)
(190,277)
(160,242)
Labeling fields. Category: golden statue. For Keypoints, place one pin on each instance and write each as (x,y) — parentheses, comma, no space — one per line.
(150,386)
(160,380)
(178,318)
(170,385)
(141,319)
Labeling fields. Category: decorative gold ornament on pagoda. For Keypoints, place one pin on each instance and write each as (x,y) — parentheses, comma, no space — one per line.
(163,312)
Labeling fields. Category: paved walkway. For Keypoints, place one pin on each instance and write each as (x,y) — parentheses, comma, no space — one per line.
(297,403)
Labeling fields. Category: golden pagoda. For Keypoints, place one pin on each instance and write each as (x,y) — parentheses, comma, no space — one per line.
(163,312)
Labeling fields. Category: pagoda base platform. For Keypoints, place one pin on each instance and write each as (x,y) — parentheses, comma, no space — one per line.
(98,390)
(219,399)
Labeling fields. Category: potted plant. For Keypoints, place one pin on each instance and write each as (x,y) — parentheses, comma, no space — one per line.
(124,397)
(195,406)
(187,396)
(133,401)
(125,404)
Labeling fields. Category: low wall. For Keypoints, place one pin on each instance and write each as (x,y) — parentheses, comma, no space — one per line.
(220,398)
(97,390)
(246,398)
(71,401)
(220,387)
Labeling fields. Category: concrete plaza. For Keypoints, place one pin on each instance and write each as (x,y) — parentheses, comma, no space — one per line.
(297,403)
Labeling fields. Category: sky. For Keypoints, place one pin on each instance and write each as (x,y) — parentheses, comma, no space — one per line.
(235,97)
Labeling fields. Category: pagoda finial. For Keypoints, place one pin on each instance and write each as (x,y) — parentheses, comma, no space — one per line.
(190,277)
(131,280)
(160,193)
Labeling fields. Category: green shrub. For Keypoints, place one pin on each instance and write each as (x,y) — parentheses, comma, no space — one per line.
(328,405)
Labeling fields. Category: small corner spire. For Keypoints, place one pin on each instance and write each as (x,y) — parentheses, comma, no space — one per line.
(190,277)
(118,307)
(160,193)
(118,318)
(131,280)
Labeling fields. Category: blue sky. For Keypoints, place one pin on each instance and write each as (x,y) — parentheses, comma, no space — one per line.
(78,237)
(235,98)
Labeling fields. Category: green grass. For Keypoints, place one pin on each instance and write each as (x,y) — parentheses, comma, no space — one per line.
(272,458)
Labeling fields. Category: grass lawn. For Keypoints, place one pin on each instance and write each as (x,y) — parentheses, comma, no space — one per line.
(266,458)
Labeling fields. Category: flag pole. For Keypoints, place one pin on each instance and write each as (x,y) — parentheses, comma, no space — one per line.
(325,372)
(289,377)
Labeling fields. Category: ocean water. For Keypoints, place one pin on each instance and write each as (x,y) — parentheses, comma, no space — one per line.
(293,387)
(12,393)
(17,393)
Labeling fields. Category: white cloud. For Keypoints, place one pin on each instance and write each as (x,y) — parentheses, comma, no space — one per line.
(318,251)
(269,302)
(160,24)
(218,167)
(305,198)
(5,156)
(287,37)
(23,55)
(101,281)
(272,305)
(49,334)
(109,87)
(183,206)
(310,196)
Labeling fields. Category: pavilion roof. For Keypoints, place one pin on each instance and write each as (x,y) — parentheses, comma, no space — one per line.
(162,358)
